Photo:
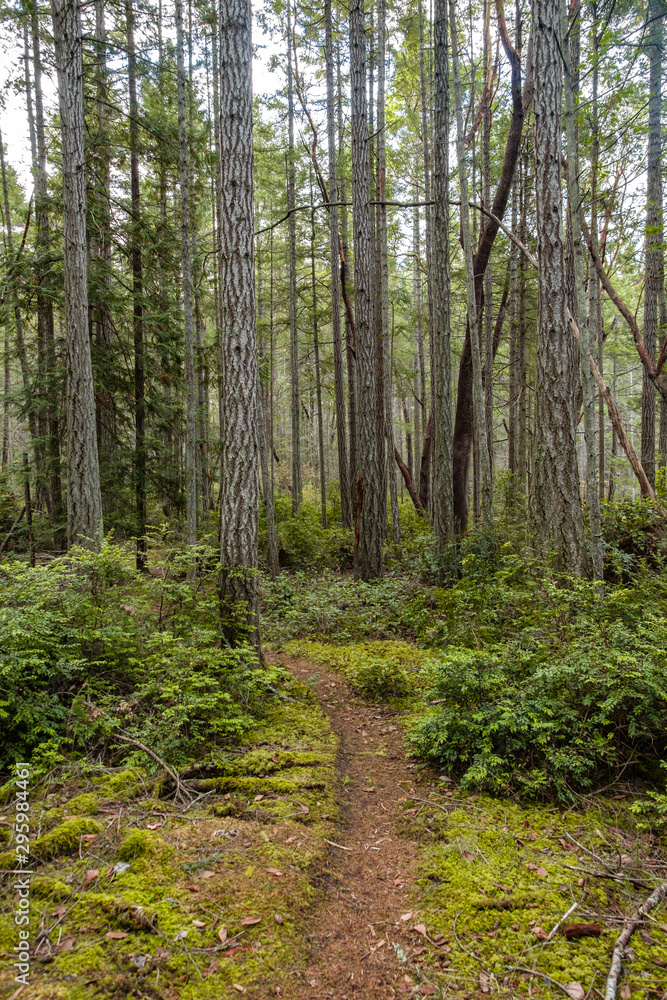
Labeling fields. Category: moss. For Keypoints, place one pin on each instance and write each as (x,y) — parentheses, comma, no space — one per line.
(138,843)
(65,839)
(52,817)
(381,669)
(82,805)
(124,786)
(48,888)
(5,834)
(6,792)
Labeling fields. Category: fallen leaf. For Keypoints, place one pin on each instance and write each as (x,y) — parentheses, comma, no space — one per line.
(213,967)
(420,929)
(275,871)
(222,934)
(90,837)
(116,935)
(542,872)
(199,923)
(121,867)
(564,844)
(540,934)
(407,916)
(371,789)
(468,856)
(67,944)
(572,931)
(305,810)
(278,919)
(626,991)
(532,866)
(193,888)
(575,991)
(249,921)
(90,876)
(139,960)
(407,812)
(484,982)
(60,911)
(417,952)
(504,888)
(153,826)
(258,798)
(207,874)
(237,986)
(428,989)
(180,935)
(161,954)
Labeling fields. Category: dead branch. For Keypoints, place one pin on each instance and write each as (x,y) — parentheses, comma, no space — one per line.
(182,791)
(621,942)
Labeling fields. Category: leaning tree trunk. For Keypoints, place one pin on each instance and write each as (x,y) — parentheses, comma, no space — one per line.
(369,499)
(441,376)
(239,494)
(583,320)
(479,409)
(334,257)
(653,254)
(84,498)
(556,500)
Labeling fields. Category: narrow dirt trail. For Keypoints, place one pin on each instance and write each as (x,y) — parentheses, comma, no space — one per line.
(366,886)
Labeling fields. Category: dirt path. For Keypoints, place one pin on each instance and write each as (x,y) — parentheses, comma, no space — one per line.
(366,888)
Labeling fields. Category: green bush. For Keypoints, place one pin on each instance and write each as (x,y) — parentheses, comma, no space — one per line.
(90,648)
(579,691)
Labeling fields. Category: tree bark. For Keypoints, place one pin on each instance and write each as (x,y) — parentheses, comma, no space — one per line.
(441,377)
(239,495)
(84,498)
(556,500)
(368,533)
(571,53)
(188,311)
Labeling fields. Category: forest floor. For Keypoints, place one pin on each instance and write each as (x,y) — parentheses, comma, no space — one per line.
(318,861)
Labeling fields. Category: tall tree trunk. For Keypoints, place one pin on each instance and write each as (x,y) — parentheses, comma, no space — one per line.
(188,310)
(350,346)
(318,376)
(48,423)
(594,304)
(334,257)
(295,402)
(239,498)
(383,279)
(522,387)
(418,325)
(653,253)
(512,463)
(426,152)
(486,197)
(479,409)
(272,556)
(84,499)
(137,296)
(556,501)
(441,376)
(368,527)
(571,53)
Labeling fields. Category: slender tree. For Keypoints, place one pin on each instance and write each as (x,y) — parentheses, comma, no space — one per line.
(188,306)
(84,498)
(295,401)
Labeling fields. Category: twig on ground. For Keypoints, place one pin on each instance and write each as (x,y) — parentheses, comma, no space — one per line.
(429,803)
(608,875)
(182,791)
(637,918)
(339,846)
(564,917)
(534,972)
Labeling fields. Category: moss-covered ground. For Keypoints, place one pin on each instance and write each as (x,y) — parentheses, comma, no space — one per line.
(135,895)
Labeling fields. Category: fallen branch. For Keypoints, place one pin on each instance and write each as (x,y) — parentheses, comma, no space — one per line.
(334,844)
(17,520)
(182,791)
(534,972)
(621,942)
(607,875)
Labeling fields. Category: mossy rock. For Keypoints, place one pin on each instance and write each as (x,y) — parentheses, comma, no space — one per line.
(125,785)
(84,805)
(139,843)
(48,888)
(52,817)
(65,839)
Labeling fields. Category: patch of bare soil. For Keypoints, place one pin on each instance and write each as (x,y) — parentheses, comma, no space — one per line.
(362,934)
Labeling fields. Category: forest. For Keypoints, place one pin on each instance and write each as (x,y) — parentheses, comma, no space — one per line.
(333,500)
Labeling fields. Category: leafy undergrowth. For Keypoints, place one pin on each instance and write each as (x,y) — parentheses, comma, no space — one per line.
(496,877)
(135,895)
